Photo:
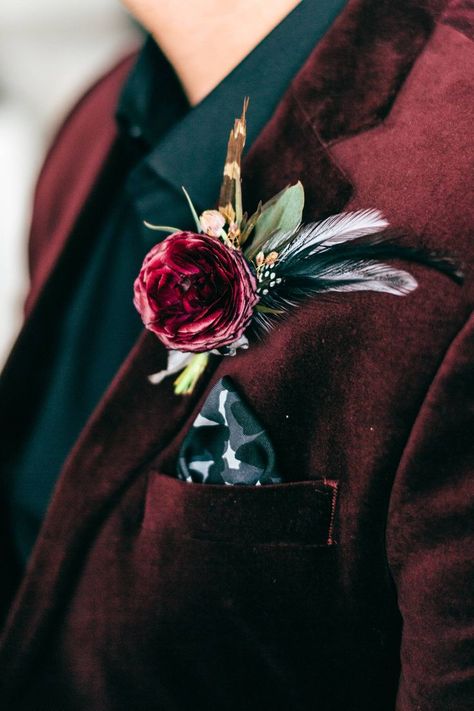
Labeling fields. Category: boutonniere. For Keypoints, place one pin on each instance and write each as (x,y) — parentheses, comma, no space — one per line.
(202,292)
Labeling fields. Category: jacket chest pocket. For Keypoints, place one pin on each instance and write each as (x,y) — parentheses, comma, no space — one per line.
(298,513)
(219,597)
(217,552)
(243,578)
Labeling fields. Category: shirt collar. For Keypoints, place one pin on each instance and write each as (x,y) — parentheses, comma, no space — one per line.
(187,145)
(152,99)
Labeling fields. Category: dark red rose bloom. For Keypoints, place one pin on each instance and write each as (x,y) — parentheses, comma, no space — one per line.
(195,293)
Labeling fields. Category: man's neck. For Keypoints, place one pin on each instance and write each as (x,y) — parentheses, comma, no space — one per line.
(205,39)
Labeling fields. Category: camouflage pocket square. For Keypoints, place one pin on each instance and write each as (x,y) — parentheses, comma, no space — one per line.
(227,444)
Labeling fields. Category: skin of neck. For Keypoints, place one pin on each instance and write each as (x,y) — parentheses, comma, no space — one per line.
(205,39)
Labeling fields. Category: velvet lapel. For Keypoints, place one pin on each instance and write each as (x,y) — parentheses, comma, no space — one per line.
(76,184)
(57,245)
(347,85)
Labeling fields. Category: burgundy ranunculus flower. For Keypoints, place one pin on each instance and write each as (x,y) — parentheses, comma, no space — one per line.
(195,293)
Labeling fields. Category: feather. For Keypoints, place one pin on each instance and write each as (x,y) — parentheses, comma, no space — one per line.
(230,197)
(368,276)
(334,230)
(340,254)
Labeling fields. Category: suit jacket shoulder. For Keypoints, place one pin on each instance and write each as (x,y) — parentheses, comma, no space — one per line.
(73,162)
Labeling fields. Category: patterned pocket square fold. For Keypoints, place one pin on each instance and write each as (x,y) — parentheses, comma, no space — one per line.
(227,444)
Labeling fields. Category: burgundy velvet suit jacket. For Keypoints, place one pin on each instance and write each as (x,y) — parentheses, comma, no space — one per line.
(348,587)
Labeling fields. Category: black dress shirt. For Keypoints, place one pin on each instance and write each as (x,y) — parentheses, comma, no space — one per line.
(166,144)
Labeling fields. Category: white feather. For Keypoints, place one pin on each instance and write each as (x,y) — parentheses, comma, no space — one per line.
(278,240)
(374,276)
(340,228)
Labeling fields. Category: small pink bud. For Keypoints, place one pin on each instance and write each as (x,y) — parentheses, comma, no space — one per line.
(212,222)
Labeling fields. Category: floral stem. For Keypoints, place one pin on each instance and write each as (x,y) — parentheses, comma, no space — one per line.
(225,239)
(193,209)
(186,381)
(161,228)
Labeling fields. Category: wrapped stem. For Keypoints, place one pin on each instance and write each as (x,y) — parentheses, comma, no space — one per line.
(187,379)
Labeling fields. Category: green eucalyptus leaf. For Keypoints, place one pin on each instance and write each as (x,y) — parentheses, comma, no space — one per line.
(282,212)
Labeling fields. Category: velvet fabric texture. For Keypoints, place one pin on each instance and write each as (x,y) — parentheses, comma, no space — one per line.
(348,586)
